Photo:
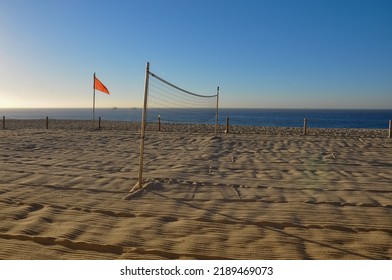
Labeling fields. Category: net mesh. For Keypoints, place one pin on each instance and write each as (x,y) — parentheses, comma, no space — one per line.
(174,105)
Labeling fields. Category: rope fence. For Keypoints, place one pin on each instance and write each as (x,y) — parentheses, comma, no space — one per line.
(227,127)
(68,124)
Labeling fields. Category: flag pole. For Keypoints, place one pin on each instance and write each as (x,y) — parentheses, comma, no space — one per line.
(94,100)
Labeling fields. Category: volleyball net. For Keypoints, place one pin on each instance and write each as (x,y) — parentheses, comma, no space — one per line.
(165,103)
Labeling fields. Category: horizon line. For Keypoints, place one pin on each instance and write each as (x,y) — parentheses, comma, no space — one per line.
(253,108)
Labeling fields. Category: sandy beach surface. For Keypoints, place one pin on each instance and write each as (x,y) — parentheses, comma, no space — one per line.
(64,194)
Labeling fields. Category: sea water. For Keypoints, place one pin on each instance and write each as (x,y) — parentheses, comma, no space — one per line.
(320,118)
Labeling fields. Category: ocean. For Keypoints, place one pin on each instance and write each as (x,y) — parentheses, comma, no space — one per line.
(317,118)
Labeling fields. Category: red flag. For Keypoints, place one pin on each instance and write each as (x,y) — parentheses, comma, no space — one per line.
(100,86)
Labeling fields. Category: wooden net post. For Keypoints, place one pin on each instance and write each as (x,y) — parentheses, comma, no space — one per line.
(47,122)
(3,122)
(217,111)
(305,125)
(99,123)
(143,128)
(390,128)
(227,125)
(159,122)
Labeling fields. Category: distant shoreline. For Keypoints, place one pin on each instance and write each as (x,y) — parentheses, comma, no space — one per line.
(225,108)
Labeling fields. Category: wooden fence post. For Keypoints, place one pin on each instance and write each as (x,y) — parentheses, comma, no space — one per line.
(390,128)
(99,123)
(159,122)
(47,122)
(227,125)
(3,122)
(305,125)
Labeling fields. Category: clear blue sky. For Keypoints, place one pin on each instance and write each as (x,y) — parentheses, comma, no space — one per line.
(262,54)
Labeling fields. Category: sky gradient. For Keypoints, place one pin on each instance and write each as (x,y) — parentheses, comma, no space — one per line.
(262,54)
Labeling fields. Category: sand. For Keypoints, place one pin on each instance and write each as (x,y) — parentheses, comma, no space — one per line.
(64,194)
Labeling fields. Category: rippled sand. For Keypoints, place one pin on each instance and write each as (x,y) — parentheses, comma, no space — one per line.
(64,194)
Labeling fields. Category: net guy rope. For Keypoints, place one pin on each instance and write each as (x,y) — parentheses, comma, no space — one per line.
(173,104)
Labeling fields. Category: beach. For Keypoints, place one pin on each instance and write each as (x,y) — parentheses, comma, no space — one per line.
(253,193)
